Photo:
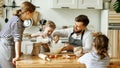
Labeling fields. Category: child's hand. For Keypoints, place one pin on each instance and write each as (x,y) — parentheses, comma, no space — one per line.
(27,35)
(43,35)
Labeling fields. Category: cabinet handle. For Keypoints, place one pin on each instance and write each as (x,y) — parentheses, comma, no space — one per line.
(64,7)
(90,8)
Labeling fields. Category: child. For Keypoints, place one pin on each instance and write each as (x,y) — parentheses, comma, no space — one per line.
(99,56)
(56,45)
(11,35)
(43,38)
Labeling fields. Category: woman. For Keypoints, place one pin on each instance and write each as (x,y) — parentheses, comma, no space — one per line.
(11,35)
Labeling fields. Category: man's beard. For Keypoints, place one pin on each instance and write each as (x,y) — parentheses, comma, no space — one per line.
(77,31)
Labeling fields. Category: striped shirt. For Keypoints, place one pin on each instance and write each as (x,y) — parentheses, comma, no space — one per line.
(13,29)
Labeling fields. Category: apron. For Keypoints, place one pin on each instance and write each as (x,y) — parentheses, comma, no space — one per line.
(77,44)
(7,52)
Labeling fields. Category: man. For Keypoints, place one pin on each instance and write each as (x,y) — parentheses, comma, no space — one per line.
(80,38)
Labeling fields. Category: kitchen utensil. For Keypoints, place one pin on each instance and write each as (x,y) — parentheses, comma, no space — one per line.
(13,4)
(31,1)
(6,19)
(28,23)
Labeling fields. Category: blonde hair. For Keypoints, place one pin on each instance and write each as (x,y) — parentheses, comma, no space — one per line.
(55,35)
(50,24)
(36,18)
(101,45)
(27,6)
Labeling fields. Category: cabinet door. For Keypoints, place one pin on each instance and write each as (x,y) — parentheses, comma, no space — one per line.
(64,3)
(90,4)
(114,39)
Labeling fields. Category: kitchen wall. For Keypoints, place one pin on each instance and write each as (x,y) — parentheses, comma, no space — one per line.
(61,17)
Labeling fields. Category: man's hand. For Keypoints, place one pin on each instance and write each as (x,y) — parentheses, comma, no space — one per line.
(67,48)
(78,51)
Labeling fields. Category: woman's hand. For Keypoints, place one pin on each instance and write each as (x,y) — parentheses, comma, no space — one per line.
(14,60)
(21,53)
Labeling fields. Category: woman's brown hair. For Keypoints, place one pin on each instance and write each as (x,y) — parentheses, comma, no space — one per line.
(26,6)
(101,45)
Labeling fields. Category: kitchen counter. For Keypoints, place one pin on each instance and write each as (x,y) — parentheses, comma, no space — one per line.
(114,63)
(27,61)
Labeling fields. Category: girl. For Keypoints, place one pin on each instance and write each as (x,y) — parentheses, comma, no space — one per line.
(11,35)
(99,56)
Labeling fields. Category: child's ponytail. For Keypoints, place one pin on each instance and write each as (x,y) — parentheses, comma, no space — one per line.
(101,45)
(102,53)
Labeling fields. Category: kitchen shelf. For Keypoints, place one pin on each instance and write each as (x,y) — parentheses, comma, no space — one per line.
(4,6)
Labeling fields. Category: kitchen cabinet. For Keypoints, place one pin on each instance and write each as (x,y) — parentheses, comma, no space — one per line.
(110,25)
(90,4)
(77,4)
(64,3)
(114,38)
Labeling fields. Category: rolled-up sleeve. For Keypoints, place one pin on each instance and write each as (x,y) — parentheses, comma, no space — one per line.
(63,32)
(87,42)
(17,31)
